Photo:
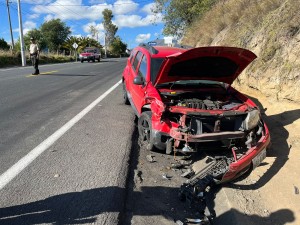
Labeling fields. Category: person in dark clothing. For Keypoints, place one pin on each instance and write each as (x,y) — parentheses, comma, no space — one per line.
(34,55)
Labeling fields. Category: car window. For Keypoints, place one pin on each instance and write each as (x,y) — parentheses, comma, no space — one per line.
(155,66)
(132,56)
(136,60)
(143,67)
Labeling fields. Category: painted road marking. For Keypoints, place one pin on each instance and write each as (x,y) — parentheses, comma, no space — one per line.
(49,72)
(17,168)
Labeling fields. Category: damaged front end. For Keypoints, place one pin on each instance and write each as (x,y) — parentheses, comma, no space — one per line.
(226,129)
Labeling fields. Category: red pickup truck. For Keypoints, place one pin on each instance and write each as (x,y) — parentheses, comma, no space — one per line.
(90,54)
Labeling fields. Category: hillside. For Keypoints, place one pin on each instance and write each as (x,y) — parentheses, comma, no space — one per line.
(269,28)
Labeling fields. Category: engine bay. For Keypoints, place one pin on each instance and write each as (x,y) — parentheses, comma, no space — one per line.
(199,100)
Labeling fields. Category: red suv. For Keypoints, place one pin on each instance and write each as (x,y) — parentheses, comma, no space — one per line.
(185,103)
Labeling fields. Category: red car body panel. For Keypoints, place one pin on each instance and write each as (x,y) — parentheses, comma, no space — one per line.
(241,57)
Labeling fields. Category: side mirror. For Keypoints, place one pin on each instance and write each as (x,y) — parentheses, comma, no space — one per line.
(138,80)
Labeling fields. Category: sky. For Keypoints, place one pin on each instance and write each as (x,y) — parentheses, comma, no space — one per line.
(134,18)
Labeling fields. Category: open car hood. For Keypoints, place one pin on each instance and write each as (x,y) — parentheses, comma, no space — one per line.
(222,64)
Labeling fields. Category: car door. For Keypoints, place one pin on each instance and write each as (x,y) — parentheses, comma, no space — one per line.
(138,91)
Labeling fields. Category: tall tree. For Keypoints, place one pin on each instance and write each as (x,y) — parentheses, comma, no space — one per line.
(109,28)
(179,14)
(54,33)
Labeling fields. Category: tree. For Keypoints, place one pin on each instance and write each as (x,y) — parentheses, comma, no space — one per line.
(109,28)
(54,33)
(117,46)
(3,44)
(179,14)
(37,35)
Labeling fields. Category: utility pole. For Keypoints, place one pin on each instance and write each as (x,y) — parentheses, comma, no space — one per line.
(21,35)
(105,45)
(11,34)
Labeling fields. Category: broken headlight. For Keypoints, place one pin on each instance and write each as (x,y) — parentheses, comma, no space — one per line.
(252,119)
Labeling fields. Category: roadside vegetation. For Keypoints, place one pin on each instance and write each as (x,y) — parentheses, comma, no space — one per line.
(56,44)
(269,28)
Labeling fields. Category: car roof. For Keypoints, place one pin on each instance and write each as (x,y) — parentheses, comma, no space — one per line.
(162,51)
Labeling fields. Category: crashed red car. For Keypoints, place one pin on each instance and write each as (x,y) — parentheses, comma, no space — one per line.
(184,102)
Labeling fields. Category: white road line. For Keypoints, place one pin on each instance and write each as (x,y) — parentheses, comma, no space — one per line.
(17,168)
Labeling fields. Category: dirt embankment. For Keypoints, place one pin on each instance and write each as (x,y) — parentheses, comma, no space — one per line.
(271,29)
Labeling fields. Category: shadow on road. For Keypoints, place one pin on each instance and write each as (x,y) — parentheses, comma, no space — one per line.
(233,216)
(84,207)
(280,149)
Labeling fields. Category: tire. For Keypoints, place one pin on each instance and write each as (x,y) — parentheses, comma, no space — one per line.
(145,130)
(81,61)
(125,96)
(99,59)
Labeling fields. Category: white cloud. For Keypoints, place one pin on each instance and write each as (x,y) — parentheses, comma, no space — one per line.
(28,25)
(96,2)
(72,9)
(34,2)
(48,17)
(148,8)
(124,7)
(142,38)
(135,20)
(99,27)
(33,16)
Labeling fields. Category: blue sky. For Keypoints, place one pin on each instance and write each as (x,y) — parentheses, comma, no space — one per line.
(133,18)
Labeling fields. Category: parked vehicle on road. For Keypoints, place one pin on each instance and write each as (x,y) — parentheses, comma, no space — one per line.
(185,103)
(90,54)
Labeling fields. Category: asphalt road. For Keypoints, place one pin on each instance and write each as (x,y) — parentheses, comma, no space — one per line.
(70,162)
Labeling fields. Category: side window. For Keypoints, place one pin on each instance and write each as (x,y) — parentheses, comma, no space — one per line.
(132,56)
(136,60)
(143,67)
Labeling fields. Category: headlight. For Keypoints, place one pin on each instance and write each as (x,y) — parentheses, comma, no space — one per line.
(252,119)
(80,55)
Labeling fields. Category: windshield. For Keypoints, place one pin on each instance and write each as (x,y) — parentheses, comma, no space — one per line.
(191,84)
(155,66)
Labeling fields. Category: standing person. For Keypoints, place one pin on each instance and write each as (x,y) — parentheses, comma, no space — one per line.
(34,55)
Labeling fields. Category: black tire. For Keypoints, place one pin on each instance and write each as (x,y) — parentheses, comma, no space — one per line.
(99,59)
(81,61)
(145,130)
(125,96)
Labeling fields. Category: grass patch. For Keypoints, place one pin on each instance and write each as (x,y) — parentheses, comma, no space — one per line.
(10,58)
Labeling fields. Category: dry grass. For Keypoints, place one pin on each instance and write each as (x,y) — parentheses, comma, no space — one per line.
(11,58)
(270,28)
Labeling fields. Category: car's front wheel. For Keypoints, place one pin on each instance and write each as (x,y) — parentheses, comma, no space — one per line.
(145,130)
